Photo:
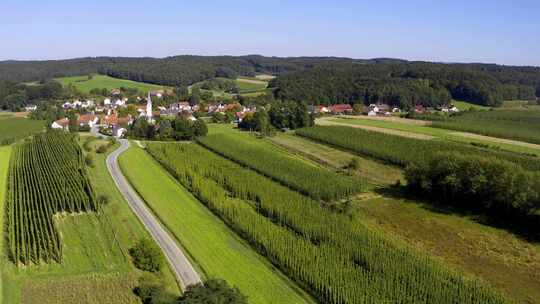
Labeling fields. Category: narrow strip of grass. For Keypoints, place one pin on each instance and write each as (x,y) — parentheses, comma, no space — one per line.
(215,248)
(5,154)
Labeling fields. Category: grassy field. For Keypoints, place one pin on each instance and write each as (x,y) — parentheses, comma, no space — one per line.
(5,153)
(495,255)
(519,147)
(84,84)
(373,172)
(465,106)
(250,85)
(217,251)
(14,128)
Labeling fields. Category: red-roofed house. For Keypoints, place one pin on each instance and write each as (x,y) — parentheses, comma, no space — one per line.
(61,124)
(341,109)
(88,120)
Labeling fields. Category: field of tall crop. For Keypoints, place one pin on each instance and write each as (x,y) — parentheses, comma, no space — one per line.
(336,259)
(47,176)
(313,181)
(14,128)
(511,124)
(402,151)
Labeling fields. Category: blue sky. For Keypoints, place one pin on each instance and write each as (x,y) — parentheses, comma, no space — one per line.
(505,32)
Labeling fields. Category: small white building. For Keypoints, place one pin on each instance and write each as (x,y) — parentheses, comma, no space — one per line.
(107,101)
(30,108)
(61,124)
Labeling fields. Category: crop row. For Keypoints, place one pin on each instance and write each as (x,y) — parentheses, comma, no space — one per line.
(517,125)
(403,151)
(47,176)
(335,257)
(315,182)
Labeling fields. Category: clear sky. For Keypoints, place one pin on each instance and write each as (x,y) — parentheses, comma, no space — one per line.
(505,32)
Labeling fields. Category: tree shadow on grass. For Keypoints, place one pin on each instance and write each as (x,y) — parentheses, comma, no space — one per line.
(527,228)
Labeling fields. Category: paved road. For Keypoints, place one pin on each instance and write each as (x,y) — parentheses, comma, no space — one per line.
(183,270)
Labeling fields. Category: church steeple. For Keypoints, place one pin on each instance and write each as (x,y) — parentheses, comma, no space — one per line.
(149,108)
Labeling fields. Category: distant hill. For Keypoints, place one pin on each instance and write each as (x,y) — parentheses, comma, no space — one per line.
(298,77)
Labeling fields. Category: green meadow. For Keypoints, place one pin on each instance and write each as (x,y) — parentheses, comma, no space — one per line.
(87,83)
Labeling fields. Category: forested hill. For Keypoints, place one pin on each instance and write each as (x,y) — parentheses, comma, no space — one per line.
(409,83)
(310,79)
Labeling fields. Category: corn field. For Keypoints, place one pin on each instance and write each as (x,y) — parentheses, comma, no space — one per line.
(47,176)
(334,257)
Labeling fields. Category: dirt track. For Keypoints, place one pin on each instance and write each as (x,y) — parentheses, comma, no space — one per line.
(326,122)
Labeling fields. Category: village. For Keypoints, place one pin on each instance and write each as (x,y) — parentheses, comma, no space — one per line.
(113,115)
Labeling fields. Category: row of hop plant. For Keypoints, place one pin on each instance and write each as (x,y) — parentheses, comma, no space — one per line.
(333,256)
(318,183)
(403,151)
(511,124)
(46,176)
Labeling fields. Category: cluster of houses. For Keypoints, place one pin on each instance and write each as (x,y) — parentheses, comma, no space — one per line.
(106,114)
(378,109)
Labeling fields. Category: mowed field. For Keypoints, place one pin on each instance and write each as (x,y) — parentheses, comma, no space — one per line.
(216,250)
(14,128)
(84,84)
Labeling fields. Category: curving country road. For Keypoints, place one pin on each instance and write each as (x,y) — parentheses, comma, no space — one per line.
(180,265)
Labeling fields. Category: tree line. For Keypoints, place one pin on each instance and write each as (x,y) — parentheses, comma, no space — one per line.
(385,80)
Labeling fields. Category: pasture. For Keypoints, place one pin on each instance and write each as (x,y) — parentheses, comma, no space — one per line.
(250,85)
(15,128)
(84,84)
(216,250)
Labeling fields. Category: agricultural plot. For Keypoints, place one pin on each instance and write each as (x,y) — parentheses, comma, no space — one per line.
(501,258)
(399,150)
(84,84)
(373,172)
(5,155)
(511,124)
(439,133)
(318,183)
(216,250)
(89,289)
(250,85)
(336,259)
(15,128)
(47,176)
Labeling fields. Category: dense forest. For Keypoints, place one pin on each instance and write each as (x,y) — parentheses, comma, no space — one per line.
(410,83)
(311,79)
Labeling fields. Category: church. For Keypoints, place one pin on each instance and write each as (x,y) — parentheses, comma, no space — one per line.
(148,114)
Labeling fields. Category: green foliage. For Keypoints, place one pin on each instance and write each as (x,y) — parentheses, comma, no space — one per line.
(336,259)
(318,183)
(89,160)
(511,124)
(289,115)
(212,292)
(219,84)
(47,176)
(13,129)
(477,183)
(400,150)
(150,285)
(147,256)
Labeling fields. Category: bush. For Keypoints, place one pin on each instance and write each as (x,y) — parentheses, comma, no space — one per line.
(149,286)
(89,160)
(146,256)
(102,149)
(212,292)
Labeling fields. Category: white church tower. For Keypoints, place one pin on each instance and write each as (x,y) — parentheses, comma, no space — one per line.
(149,109)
